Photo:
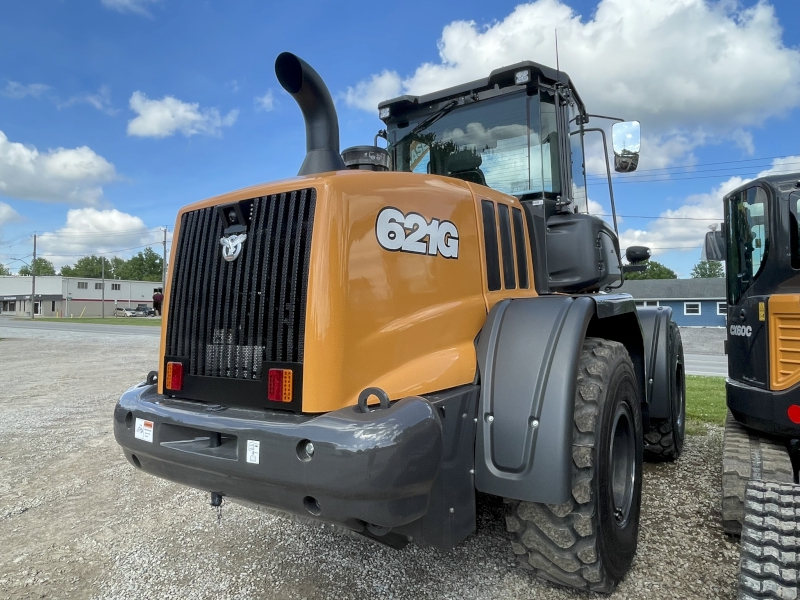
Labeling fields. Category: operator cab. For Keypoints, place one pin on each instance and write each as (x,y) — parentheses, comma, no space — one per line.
(520,131)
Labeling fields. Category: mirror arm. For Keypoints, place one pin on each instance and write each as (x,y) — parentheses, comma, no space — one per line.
(609,118)
(608,174)
(611,195)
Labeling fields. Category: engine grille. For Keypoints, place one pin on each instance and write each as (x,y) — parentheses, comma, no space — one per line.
(227,318)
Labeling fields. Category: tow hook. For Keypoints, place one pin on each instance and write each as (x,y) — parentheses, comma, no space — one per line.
(381,395)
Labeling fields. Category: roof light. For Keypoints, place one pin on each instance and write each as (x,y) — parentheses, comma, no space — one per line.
(521,77)
(384,113)
(279,385)
(174,380)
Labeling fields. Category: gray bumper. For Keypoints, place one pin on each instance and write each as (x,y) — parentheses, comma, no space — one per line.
(377,467)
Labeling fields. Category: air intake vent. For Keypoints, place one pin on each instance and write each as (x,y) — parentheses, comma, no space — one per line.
(228,318)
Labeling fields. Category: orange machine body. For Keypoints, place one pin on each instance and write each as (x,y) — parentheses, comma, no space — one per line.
(402,319)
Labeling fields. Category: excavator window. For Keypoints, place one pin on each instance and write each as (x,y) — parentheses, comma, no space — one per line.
(748,239)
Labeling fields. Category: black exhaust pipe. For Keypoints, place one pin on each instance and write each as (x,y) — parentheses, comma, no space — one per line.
(322,125)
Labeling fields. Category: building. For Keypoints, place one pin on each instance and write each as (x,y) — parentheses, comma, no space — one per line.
(58,296)
(695,302)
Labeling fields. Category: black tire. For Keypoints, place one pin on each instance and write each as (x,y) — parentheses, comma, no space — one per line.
(590,541)
(664,441)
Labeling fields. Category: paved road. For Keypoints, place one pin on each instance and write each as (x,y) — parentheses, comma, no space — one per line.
(91,328)
(706,364)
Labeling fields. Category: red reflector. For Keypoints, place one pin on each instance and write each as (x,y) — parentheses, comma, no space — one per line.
(793,412)
(174,376)
(279,385)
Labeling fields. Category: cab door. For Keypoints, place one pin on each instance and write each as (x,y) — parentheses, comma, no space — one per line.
(748,239)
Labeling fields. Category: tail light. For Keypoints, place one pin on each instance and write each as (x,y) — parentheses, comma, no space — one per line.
(793,412)
(279,388)
(174,379)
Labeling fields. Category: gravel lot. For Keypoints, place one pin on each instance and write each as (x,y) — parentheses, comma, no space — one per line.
(77,521)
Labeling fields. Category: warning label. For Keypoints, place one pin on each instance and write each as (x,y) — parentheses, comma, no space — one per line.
(252,451)
(144,430)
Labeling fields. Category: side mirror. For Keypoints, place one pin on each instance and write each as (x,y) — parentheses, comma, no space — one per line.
(637,258)
(714,247)
(626,141)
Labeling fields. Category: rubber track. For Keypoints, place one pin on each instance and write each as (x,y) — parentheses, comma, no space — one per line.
(745,456)
(559,541)
(770,554)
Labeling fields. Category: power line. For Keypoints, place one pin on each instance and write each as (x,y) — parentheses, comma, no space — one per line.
(659,217)
(110,252)
(627,180)
(644,173)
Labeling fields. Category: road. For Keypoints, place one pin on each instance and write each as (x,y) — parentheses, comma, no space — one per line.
(706,364)
(87,328)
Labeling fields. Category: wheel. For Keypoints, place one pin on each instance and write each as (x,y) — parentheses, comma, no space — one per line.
(590,541)
(664,440)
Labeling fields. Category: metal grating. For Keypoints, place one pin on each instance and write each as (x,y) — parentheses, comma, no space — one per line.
(227,318)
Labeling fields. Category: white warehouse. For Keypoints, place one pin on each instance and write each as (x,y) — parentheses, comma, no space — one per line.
(58,296)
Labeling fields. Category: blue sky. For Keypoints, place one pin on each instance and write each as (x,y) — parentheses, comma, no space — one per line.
(115,113)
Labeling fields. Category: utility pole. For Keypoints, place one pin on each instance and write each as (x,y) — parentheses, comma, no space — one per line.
(103,285)
(164,262)
(33,279)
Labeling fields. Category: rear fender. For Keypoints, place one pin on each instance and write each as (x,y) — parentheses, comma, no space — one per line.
(658,352)
(528,354)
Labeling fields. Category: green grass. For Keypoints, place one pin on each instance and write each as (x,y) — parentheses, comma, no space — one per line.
(145,321)
(705,403)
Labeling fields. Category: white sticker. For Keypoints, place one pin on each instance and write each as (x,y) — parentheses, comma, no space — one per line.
(144,430)
(252,451)
(413,233)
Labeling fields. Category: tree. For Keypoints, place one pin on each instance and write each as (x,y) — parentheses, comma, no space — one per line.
(90,267)
(655,270)
(708,268)
(4,270)
(144,266)
(43,267)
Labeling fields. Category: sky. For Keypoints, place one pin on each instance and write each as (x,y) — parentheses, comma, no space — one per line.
(115,113)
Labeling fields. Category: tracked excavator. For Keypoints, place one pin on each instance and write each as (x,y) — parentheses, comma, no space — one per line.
(761,452)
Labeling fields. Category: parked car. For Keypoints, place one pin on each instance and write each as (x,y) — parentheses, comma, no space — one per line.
(125,311)
(145,311)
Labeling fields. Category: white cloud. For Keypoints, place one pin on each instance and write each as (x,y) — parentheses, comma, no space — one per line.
(687,69)
(265,102)
(8,215)
(18,90)
(138,7)
(163,118)
(101,101)
(71,175)
(366,95)
(686,226)
(92,231)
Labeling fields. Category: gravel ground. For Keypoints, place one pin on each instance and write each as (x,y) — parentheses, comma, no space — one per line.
(77,521)
(703,340)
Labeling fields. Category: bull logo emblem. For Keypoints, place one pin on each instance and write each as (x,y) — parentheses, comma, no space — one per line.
(232,246)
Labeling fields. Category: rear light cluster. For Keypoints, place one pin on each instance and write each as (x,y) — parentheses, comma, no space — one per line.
(279,385)
(174,376)
(793,412)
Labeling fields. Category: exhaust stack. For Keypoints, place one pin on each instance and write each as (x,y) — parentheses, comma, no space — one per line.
(322,125)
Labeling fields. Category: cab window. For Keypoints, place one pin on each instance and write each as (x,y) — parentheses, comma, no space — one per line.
(748,239)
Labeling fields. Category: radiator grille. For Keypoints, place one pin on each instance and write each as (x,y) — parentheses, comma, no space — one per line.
(227,318)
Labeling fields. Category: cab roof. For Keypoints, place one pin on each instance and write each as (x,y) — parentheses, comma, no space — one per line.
(498,79)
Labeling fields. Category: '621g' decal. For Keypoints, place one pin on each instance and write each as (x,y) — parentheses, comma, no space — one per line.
(412,233)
